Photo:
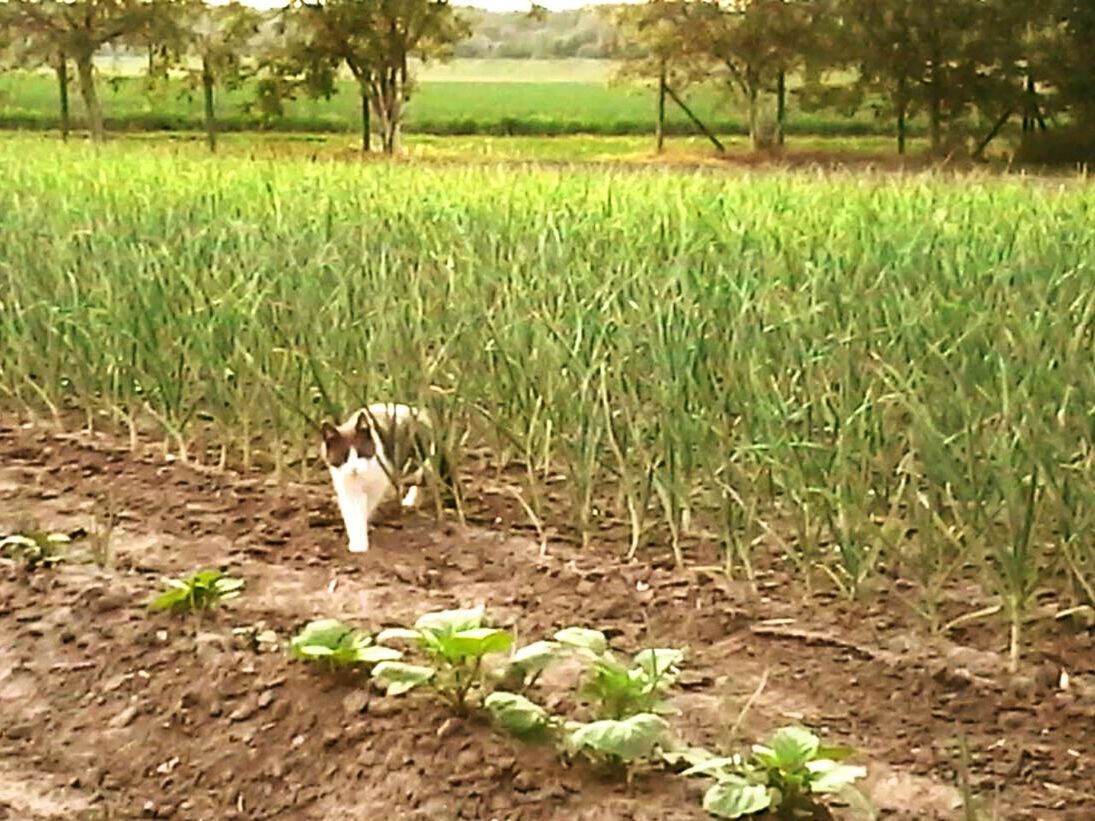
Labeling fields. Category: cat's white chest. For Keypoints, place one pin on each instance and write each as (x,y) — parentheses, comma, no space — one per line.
(363,480)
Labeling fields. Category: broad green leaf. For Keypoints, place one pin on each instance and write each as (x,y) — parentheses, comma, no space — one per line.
(376,654)
(831,777)
(835,752)
(659,663)
(326,632)
(330,635)
(445,622)
(535,657)
(634,737)
(313,650)
(736,797)
(338,643)
(712,764)
(515,713)
(476,642)
(18,541)
(584,638)
(169,600)
(202,590)
(228,585)
(793,747)
(397,634)
(690,756)
(397,677)
(205,578)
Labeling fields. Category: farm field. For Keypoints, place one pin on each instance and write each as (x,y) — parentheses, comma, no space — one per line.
(463,97)
(829,433)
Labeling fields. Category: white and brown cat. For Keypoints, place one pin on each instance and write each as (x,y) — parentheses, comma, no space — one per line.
(380,449)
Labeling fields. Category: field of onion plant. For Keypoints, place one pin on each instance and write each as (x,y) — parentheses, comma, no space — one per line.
(858,374)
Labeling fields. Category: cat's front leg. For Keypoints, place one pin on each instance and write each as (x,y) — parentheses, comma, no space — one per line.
(355,515)
(357,525)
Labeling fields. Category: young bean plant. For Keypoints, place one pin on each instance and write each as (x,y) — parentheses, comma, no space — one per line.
(455,644)
(787,776)
(202,591)
(334,645)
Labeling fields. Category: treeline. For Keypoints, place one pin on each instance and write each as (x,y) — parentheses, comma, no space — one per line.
(965,69)
(298,49)
(585,33)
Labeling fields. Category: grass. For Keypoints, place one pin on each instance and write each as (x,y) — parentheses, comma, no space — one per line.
(854,373)
(464,97)
(568,148)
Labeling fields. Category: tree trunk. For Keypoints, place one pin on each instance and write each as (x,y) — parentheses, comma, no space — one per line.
(366,126)
(403,99)
(62,91)
(86,74)
(935,108)
(754,127)
(659,130)
(902,102)
(388,98)
(1028,121)
(901,130)
(210,113)
(383,100)
(781,105)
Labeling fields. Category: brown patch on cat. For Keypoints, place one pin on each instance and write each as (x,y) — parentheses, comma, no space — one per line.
(362,438)
(336,448)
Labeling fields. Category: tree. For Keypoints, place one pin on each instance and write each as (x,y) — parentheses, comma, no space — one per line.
(76,29)
(1067,56)
(208,43)
(658,28)
(373,39)
(751,45)
(943,57)
(30,49)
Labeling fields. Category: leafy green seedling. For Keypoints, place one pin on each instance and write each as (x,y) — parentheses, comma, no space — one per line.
(202,591)
(455,642)
(617,689)
(520,717)
(528,662)
(617,742)
(735,796)
(336,645)
(783,776)
(36,548)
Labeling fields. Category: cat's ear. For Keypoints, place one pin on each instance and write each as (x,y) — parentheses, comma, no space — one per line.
(329,433)
(362,423)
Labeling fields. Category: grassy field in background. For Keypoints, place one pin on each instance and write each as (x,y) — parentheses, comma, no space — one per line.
(502,97)
(468,70)
(856,373)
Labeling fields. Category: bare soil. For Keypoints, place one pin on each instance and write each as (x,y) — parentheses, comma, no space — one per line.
(108,711)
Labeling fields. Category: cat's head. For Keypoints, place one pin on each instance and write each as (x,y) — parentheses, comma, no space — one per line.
(349,444)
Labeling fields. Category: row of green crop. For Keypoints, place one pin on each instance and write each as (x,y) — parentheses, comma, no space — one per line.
(860,376)
(536,125)
(29,101)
